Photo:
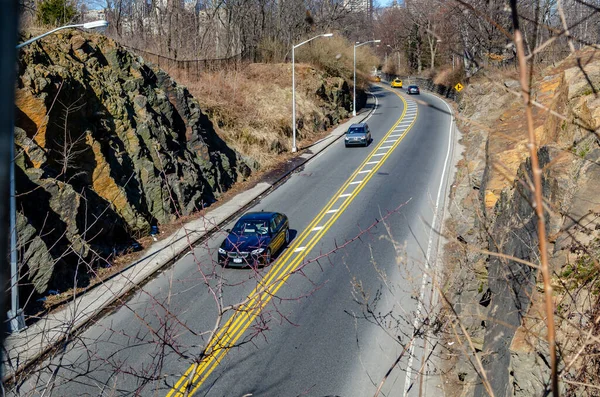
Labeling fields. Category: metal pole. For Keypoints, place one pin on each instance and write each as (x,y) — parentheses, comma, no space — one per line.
(15,315)
(354,85)
(9,18)
(354,88)
(294,149)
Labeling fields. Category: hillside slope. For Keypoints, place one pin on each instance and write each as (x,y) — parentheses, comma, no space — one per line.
(251,108)
(500,301)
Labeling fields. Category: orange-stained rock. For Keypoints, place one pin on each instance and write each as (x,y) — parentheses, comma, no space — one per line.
(32,112)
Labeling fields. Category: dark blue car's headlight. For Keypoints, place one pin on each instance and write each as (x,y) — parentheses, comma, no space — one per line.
(257,251)
(222,251)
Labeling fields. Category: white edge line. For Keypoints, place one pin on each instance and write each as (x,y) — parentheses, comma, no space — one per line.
(429,245)
(374,109)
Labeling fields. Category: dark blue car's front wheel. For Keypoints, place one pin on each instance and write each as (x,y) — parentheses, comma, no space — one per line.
(267,257)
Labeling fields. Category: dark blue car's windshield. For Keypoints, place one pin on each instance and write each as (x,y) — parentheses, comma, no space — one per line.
(356,130)
(251,228)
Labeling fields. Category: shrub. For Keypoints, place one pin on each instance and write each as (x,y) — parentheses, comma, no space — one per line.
(272,50)
(448,76)
(55,12)
(335,56)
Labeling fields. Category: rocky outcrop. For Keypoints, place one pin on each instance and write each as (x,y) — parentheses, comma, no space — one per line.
(108,147)
(501,300)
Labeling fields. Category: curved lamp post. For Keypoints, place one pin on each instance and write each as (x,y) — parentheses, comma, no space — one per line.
(354,87)
(87,25)
(294,148)
(15,315)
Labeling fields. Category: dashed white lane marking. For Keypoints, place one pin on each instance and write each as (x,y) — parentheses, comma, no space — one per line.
(379,154)
(332,211)
(299,249)
(364,171)
(372,162)
(390,141)
(395,135)
(385,147)
(345,195)
(355,183)
(317,228)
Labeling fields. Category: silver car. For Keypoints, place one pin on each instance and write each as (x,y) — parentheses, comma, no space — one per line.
(358,135)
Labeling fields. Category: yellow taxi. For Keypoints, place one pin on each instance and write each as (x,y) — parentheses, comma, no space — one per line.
(396,83)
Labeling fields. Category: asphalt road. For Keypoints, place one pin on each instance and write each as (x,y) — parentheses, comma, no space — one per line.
(332,327)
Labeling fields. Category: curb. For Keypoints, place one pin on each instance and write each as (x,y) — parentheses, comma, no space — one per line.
(131,278)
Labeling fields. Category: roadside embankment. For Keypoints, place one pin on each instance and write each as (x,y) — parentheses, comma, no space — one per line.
(492,278)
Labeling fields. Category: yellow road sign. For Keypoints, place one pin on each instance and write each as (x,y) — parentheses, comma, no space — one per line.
(458,87)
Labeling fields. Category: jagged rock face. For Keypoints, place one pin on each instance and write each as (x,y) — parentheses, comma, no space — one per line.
(514,350)
(109,147)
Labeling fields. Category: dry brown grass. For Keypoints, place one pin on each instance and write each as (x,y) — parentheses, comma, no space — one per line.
(448,77)
(335,55)
(251,108)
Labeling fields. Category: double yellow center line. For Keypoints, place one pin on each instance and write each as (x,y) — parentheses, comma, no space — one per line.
(227,336)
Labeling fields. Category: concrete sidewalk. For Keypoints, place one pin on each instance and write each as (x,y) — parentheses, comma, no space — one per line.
(23,348)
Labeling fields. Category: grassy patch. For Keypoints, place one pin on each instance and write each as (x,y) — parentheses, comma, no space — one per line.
(583,272)
(583,150)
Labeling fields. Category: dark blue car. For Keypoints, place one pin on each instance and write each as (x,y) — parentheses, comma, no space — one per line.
(254,239)
(413,89)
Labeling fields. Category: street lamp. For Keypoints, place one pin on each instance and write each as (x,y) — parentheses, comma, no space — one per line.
(354,88)
(87,25)
(15,314)
(294,148)
(396,50)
